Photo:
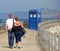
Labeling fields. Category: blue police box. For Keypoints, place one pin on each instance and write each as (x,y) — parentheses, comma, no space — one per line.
(34,19)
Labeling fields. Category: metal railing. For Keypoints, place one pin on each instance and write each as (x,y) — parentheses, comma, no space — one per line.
(2,28)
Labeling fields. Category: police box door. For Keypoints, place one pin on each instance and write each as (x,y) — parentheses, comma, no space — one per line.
(33,20)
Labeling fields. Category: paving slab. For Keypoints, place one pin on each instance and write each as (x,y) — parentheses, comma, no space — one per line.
(29,42)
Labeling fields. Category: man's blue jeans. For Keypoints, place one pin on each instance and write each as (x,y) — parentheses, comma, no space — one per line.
(10,38)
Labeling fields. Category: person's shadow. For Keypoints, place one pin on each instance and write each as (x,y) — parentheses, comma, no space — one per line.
(5,46)
(8,47)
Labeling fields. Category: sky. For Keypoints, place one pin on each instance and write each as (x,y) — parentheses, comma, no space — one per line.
(26,5)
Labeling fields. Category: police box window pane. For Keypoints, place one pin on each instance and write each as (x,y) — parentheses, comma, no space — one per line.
(34,15)
(31,15)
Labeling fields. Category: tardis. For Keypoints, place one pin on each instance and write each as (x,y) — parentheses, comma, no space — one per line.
(34,19)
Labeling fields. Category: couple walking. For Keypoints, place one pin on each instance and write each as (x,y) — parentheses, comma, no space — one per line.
(17,33)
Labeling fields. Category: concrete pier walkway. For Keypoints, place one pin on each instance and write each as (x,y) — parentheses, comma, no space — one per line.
(29,42)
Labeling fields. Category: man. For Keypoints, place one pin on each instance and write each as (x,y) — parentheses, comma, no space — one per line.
(9,25)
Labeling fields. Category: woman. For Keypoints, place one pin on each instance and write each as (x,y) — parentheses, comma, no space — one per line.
(18,32)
